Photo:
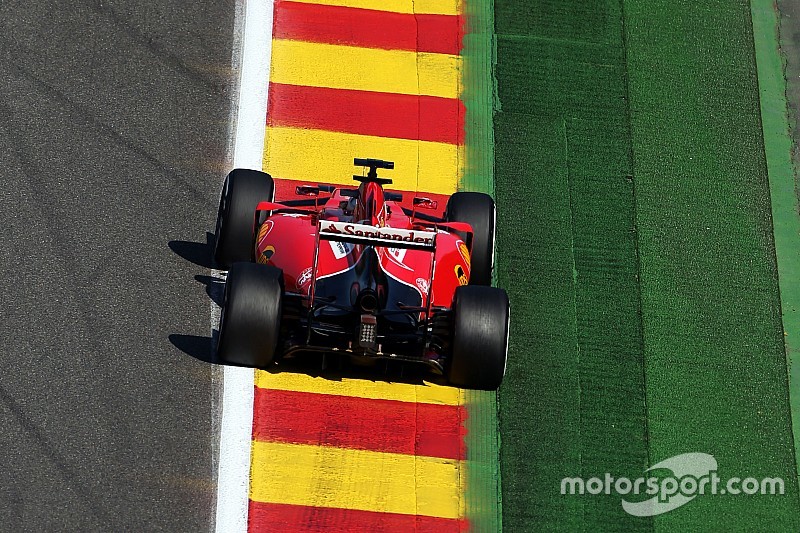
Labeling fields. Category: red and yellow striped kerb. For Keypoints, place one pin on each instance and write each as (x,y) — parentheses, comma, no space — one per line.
(380,79)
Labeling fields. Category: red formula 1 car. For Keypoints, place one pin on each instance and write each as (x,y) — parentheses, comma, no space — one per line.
(351,271)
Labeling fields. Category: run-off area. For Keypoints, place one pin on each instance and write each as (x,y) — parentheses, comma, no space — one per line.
(631,176)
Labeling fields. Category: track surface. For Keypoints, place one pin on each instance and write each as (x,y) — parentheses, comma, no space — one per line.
(113,131)
(790,47)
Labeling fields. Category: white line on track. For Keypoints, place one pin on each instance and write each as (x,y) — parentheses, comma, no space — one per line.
(254,21)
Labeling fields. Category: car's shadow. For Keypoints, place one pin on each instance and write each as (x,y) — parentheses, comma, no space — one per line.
(201,254)
(330,367)
(199,347)
(215,287)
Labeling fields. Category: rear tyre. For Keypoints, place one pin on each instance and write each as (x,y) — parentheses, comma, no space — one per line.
(235,238)
(478,210)
(480,338)
(250,323)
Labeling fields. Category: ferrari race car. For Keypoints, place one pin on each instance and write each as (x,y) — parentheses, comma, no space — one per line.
(352,271)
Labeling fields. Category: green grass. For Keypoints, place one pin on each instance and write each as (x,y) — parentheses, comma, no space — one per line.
(641,268)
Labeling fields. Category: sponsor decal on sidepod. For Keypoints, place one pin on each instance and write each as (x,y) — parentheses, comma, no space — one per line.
(304,277)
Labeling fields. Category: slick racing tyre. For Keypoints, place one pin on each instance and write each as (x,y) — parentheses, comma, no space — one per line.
(242,191)
(476,209)
(480,338)
(250,324)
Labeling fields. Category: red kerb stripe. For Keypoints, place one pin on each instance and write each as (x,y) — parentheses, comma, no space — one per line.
(368,28)
(299,518)
(399,116)
(359,423)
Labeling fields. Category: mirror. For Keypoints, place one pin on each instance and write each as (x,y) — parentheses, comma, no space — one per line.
(307,190)
(425,203)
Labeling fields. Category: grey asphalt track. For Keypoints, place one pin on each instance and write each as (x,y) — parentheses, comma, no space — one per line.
(114,120)
(790,46)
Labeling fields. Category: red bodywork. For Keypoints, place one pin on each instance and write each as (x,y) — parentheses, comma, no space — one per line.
(289,240)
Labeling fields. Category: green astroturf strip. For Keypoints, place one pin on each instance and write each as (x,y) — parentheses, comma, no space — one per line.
(483,479)
(540,398)
(573,400)
(783,188)
(715,366)
(635,239)
(478,96)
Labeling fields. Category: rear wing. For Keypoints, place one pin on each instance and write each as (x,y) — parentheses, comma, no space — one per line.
(376,236)
(329,230)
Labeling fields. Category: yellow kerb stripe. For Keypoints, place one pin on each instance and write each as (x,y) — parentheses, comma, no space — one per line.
(366,69)
(437,7)
(322,476)
(360,388)
(325,156)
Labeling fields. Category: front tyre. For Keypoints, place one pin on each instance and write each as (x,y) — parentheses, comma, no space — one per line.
(241,193)
(478,210)
(250,323)
(480,338)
